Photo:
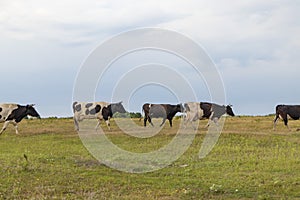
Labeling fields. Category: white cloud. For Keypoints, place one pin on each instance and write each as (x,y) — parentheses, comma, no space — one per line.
(74,21)
(209,21)
(254,43)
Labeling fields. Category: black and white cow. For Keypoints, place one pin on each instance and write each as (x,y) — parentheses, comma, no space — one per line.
(95,110)
(14,113)
(165,111)
(285,112)
(204,110)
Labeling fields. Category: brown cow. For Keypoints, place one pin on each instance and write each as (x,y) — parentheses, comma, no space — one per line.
(165,111)
(286,111)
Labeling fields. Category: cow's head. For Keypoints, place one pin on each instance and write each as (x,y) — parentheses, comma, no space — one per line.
(30,110)
(229,110)
(117,107)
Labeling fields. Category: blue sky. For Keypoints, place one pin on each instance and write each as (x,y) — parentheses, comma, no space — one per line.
(254,44)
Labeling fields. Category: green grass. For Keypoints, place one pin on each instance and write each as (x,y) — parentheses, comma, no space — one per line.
(250,161)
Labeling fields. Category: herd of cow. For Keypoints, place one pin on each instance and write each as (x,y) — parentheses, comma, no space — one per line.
(193,111)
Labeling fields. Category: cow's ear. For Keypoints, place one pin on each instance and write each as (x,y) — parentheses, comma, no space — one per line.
(120,102)
(31,105)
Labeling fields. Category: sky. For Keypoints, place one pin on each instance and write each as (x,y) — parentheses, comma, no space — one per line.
(255,46)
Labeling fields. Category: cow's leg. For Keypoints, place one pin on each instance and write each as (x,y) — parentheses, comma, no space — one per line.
(98,124)
(288,127)
(188,118)
(216,121)
(107,124)
(149,119)
(275,121)
(163,121)
(4,126)
(212,119)
(170,121)
(106,118)
(16,127)
(285,119)
(145,120)
(193,125)
(76,124)
(185,120)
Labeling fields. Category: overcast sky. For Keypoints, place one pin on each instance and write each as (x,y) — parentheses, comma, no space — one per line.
(254,44)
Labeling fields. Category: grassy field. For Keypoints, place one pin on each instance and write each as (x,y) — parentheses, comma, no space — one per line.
(250,161)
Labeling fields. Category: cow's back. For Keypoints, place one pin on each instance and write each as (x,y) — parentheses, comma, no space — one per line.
(6,109)
(193,110)
(192,106)
(89,110)
(207,109)
(293,111)
(158,110)
(103,104)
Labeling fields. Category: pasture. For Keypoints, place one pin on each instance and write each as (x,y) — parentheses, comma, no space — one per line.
(250,161)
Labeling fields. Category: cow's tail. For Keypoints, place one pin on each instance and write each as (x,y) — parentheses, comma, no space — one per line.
(277,111)
(278,108)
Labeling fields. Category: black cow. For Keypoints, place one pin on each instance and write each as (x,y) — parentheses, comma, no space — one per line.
(205,110)
(165,111)
(96,110)
(285,112)
(14,113)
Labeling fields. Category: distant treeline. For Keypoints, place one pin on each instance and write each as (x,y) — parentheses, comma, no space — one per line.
(139,115)
(128,115)
(116,115)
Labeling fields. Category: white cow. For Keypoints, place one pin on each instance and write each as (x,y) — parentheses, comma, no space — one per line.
(95,110)
(14,113)
(204,110)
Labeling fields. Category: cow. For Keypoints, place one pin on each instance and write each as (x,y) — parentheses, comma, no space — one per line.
(285,112)
(95,110)
(14,113)
(165,111)
(205,110)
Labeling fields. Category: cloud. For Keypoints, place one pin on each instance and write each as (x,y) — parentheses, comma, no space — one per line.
(211,23)
(255,44)
(78,21)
